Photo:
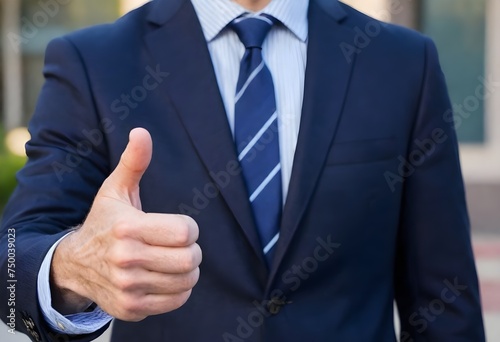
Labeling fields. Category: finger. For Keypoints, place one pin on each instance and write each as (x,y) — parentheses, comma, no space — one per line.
(167,260)
(136,309)
(159,304)
(134,161)
(143,282)
(165,230)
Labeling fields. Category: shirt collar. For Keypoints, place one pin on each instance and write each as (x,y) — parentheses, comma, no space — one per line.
(215,15)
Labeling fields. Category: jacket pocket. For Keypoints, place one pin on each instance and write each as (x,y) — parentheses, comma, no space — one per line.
(362,151)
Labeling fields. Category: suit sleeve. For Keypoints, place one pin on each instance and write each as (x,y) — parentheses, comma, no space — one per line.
(67,163)
(436,285)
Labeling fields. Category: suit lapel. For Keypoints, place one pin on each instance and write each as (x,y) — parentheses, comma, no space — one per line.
(327,79)
(179,46)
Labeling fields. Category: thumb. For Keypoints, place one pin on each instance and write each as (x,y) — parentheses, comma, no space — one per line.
(133,162)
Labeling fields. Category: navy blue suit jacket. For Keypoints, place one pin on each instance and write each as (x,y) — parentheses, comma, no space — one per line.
(375,210)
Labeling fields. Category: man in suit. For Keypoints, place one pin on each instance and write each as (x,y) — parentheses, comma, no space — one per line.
(364,206)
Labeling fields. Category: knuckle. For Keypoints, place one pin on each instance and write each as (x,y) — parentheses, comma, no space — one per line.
(192,279)
(182,234)
(120,258)
(187,230)
(198,254)
(193,259)
(130,316)
(188,262)
(124,282)
(131,307)
(187,281)
(123,261)
(180,299)
(121,229)
(191,222)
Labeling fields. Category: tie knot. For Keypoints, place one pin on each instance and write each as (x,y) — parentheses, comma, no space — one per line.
(252,31)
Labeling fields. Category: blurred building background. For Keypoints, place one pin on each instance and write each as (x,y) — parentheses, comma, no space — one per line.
(467,33)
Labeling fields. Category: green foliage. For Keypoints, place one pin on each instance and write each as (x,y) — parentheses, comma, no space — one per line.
(9,165)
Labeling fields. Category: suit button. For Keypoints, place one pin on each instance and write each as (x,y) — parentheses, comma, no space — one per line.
(35,336)
(30,327)
(275,304)
(61,326)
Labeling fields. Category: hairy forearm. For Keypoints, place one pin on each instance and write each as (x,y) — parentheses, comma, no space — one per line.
(62,282)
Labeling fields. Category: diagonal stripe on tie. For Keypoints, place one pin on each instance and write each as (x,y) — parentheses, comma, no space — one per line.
(259,135)
(249,80)
(256,130)
(266,181)
(271,243)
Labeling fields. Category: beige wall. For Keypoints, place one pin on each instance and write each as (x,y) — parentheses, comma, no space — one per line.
(128,5)
(374,8)
(402,12)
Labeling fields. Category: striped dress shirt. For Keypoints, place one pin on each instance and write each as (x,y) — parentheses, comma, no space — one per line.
(285,54)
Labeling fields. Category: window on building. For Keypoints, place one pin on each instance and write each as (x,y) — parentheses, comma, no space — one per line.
(458,28)
(44,23)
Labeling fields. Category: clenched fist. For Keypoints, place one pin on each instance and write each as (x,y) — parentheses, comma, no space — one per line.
(132,264)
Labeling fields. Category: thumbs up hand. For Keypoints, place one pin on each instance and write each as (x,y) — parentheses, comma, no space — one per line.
(132,264)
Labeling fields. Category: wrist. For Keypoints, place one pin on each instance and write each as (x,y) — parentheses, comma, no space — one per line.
(66,289)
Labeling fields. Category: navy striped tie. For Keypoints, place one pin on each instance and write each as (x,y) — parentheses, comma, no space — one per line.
(256,131)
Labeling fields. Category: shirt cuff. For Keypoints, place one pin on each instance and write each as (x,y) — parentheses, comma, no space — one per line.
(74,324)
